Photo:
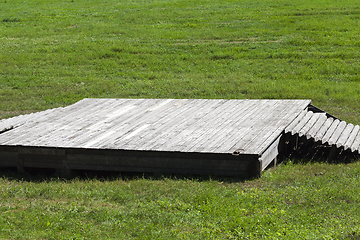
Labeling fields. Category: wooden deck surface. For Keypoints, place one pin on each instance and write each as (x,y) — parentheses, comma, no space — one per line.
(174,125)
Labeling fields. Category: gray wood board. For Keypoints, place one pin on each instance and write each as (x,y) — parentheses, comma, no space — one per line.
(317,126)
(352,137)
(277,121)
(184,125)
(326,129)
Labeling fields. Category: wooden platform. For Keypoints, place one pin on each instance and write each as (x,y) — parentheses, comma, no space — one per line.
(224,137)
(321,127)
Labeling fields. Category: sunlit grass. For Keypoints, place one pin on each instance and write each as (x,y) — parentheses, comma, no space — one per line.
(54,53)
(306,201)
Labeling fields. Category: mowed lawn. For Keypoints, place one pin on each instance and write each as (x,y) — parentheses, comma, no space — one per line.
(54,53)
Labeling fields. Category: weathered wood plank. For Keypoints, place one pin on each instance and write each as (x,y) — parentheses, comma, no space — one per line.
(212,121)
(162,141)
(309,124)
(317,126)
(15,136)
(55,114)
(171,126)
(251,127)
(251,120)
(22,119)
(132,121)
(182,132)
(296,121)
(141,134)
(282,117)
(240,114)
(156,122)
(184,139)
(236,124)
(302,123)
(335,136)
(344,135)
(38,126)
(111,112)
(270,154)
(144,130)
(240,125)
(320,134)
(84,118)
(91,129)
(330,131)
(356,144)
(137,127)
(268,127)
(225,129)
(68,135)
(352,136)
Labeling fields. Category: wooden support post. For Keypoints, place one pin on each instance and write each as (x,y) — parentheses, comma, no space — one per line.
(275,162)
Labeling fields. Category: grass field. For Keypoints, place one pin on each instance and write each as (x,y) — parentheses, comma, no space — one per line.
(295,201)
(54,53)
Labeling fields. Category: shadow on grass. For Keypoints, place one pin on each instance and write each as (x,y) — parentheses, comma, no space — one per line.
(46,175)
(352,236)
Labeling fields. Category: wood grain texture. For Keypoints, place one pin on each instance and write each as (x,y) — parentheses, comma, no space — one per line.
(330,131)
(317,126)
(352,137)
(309,124)
(189,125)
(302,122)
(175,135)
(323,130)
(336,135)
(356,144)
(344,135)
(296,121)
(278,122)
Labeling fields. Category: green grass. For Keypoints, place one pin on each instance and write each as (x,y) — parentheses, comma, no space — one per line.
(294,201)
(54,53)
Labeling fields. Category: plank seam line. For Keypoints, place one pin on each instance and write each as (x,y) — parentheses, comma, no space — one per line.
(8,129)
